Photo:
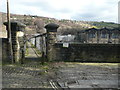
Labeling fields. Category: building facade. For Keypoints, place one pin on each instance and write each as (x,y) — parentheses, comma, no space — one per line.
(104,35)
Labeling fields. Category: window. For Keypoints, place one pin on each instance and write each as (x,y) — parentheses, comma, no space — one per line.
(115,35)
(104,35)
(91,35)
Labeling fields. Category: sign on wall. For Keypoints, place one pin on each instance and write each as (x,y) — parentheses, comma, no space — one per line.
(65,44)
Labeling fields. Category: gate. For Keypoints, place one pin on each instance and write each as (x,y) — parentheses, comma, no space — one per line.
(45,42)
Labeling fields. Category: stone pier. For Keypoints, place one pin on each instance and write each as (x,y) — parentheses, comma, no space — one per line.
(18,42)
(51,39)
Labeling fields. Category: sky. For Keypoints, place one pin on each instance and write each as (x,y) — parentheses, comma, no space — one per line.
(119,13)
(83,10)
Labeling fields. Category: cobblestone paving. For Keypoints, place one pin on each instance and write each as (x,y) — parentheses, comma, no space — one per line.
(24,76)
(88,75)
(27,75)
(70,75)
(67,75)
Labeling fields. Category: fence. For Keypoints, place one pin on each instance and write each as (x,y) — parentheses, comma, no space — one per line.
(39,41)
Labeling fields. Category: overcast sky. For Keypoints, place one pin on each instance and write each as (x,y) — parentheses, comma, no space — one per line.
(87,10)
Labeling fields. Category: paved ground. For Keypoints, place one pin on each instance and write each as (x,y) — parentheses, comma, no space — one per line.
(29,75)
(66,75)
(88,75)
(23,77)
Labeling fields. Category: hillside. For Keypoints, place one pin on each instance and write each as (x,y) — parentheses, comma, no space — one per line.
(66,26)
(104,24)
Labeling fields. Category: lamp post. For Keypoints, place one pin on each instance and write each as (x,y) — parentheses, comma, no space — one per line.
(9,32)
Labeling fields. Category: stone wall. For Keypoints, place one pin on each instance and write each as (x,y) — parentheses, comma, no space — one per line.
(17,51)
(5,50)
(87,52)
(21,46)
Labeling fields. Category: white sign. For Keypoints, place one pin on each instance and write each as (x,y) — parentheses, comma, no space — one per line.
(65,44)
(20,34)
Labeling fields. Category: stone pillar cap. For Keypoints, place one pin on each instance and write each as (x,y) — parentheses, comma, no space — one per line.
(51,26)
(15,23)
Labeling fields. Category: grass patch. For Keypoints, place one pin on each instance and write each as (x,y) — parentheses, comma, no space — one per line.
(46,68)
(11,65)
(0,63)
(94,64)
(26,52)
(49,67)
(38,51)
(32,46)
